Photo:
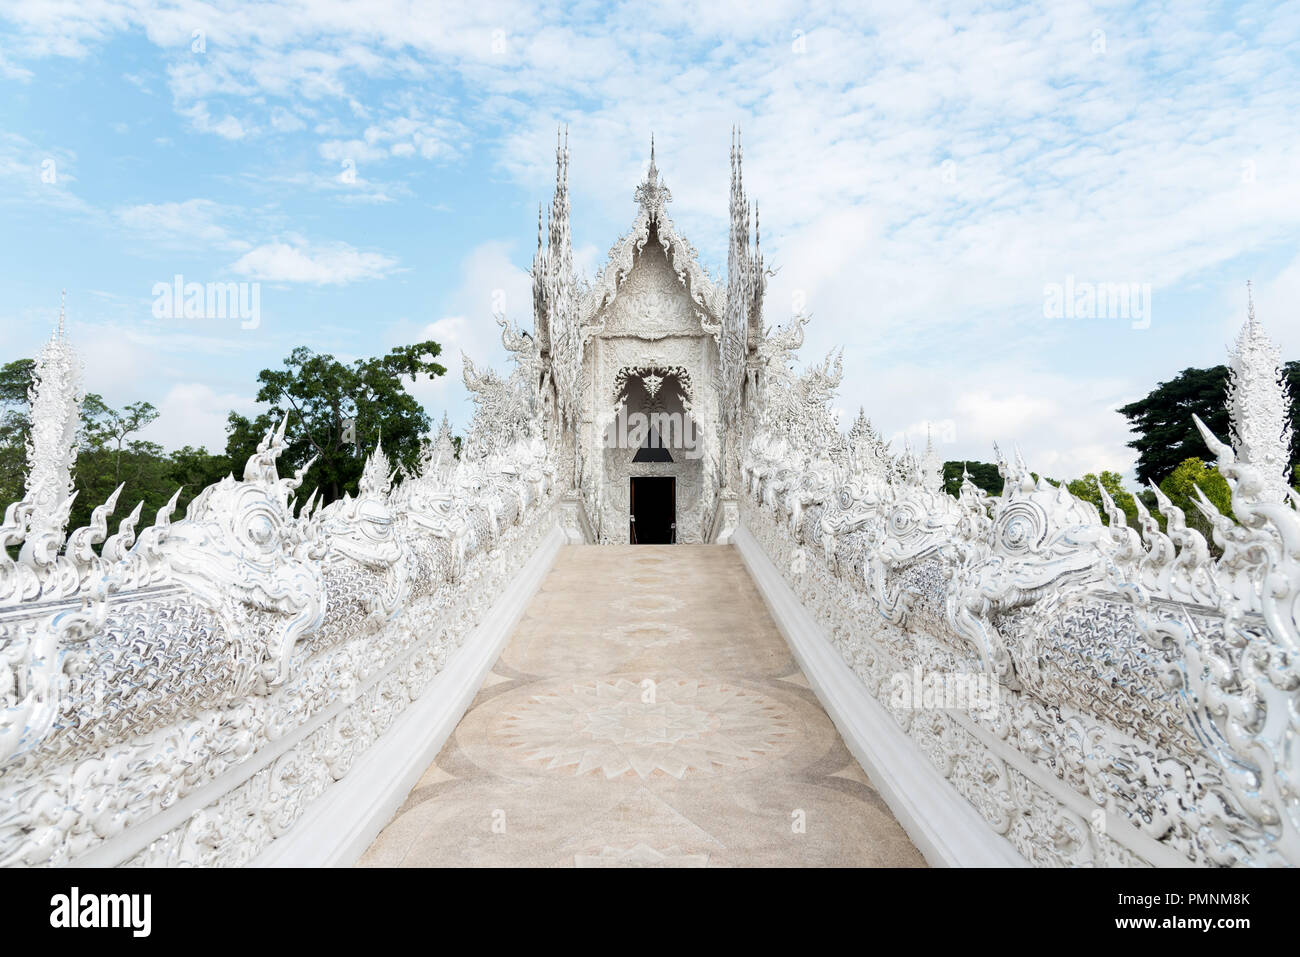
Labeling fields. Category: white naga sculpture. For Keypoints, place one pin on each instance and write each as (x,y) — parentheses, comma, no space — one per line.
(182,695)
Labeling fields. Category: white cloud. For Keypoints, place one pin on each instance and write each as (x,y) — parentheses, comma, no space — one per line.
(286,121)
(465,324)
(193,220)
(41,175)
(227,127)
(193,413)
(922,171)
(11,71)
(320,264)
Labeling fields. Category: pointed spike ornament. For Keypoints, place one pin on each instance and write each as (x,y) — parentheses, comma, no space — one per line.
(1259,407)
(55,397)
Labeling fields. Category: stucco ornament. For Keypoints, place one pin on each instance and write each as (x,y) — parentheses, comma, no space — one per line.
(140,666)
(362,530)
(55,399)
(1134,666)
(241,548)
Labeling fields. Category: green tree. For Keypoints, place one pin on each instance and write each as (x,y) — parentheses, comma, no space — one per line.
(15,379)
(1180,486)
(984,475)
(320,394)
(110,454)
(1088,488)
(1166,435)
(196,469)
(108,429)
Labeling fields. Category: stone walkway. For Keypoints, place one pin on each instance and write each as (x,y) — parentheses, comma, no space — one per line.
(646,712)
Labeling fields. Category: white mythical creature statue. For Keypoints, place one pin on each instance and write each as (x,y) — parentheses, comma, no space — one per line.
(1042,540)
(919,523)
(362,530)
(243,553)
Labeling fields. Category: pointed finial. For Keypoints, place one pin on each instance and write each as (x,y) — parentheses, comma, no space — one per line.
(63,302)
(738,157)
(1250,302)
(652,149)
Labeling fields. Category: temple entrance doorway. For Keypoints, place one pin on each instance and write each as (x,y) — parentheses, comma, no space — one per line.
(653,501)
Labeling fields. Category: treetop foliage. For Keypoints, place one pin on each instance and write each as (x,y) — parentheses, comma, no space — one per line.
(318,392)
(1162,421)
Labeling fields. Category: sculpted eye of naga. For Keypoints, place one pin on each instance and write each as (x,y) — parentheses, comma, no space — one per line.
(1023,526)
(378,521)
(261,531)
(902,519)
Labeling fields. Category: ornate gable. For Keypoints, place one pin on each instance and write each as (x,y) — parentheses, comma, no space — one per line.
(634,271)
(651,302)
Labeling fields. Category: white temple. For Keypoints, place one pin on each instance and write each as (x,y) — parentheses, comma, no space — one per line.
(653,345)
(265,680)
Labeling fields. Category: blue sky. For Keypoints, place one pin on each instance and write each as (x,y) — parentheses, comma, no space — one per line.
(922,174)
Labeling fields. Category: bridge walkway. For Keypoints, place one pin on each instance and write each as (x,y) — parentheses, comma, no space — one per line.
(646,712)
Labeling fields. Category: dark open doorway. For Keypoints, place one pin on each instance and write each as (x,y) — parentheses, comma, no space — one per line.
(654,510)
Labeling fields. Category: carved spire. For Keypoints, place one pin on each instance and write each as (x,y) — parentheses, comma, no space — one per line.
(738,345)
(55,398)
(541,290)
(867,453)
(652,193)
(375,478)
(555,294)
(1259,406)
(931,464)
(560,241)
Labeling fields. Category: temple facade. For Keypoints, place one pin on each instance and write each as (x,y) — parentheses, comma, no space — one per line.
(642,371)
